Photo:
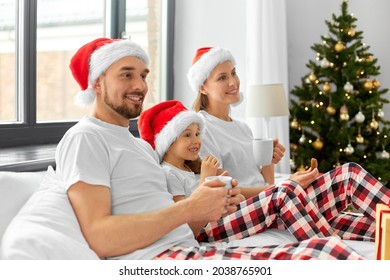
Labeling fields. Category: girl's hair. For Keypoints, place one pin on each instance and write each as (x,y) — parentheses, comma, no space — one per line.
(194,165)
(200,103)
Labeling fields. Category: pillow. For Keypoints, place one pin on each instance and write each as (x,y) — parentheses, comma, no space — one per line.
(15,189)
(46,227)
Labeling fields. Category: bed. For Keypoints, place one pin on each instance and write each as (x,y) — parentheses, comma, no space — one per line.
(38,222)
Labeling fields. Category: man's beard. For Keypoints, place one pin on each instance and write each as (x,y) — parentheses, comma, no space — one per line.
(123,109)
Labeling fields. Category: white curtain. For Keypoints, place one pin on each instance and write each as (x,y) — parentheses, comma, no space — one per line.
(267,63)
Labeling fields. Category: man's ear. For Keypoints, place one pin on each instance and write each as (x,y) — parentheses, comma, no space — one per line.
(97,86)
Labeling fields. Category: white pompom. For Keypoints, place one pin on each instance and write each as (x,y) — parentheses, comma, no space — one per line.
(85,97)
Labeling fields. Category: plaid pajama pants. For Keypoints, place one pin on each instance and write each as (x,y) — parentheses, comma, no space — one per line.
(309,215)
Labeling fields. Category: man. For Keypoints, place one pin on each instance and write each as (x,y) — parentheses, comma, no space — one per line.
(115,183)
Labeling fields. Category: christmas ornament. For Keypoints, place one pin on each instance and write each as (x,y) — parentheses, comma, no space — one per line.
(348,87)
(326,87)
(380,113)
(324,63)
(376,83)
(369,58)
(349,149)
(385,154)
(302,139)
(351,32)
(331,110)
(374,124)
(292,164)
(367,85)
(294,123)
(318,144)
(301,168)
(359,139)
(344,116)
(312,77)
(359,117)
(339,47)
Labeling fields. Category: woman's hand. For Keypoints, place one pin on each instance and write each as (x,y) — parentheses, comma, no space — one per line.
(279,151)
(305,178)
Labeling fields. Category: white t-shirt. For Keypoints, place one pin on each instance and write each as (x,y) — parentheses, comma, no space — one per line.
(180,182)
(100,153)
(231,144)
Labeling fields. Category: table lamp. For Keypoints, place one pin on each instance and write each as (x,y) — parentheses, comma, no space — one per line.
(265,101)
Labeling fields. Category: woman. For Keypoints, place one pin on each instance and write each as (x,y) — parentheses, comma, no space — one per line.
(213,76)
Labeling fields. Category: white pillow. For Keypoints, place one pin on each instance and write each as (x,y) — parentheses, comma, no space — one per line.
(15,189)
(46,227)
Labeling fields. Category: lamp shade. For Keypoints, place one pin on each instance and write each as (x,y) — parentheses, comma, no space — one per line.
(266,101)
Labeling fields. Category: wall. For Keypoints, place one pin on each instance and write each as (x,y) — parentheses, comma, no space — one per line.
(222,22)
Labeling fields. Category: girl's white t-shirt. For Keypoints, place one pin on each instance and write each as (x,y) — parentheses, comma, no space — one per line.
(180,182)
(100,153)
(231,143)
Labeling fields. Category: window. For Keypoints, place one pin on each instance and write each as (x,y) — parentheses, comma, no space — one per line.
(37,40)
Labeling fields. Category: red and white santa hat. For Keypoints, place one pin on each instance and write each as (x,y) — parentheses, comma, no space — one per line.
(163,123)
(205,60)
(93,59)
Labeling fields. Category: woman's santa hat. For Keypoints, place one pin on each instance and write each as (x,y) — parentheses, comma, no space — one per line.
(94,58)
(163,123)
(205,60)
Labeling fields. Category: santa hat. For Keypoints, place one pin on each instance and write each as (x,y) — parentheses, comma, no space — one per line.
(163,123)
(205,60)
(93,59)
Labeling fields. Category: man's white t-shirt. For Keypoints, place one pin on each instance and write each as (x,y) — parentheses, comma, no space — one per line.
(180,182)
(231,143)
(100,153)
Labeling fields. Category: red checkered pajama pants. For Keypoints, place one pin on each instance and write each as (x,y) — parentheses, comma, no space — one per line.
(308,214)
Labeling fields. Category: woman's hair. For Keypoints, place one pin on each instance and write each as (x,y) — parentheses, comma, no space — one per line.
(200,103)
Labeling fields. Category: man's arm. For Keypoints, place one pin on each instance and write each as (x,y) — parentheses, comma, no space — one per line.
(110,235)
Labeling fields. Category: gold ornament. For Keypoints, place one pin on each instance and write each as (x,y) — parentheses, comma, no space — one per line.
(359,139)
(344,116)
(294,123)
(369,58)
(331,110)
(318,144)
(374,124)
(376,84)
(339,47)
(312,77)
(351,32)
(326,87)
(367,85)
(301,168)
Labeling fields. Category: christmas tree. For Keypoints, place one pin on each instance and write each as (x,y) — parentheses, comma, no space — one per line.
(337,111)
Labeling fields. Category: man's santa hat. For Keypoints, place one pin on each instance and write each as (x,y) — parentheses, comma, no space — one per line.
(163,123)
(94,58)
(205,60)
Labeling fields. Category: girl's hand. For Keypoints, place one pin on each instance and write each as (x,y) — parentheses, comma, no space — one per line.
(209,167)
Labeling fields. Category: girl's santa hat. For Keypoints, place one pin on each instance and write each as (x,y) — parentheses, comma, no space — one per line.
(94,58)
(163,123)
(205,60)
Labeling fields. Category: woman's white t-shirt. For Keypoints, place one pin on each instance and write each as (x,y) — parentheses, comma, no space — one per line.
(231,143)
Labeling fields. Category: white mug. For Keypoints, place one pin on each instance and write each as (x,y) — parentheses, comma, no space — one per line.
(263,150)
(225,179)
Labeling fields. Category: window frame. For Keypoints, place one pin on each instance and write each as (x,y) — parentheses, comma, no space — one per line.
(30,132)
